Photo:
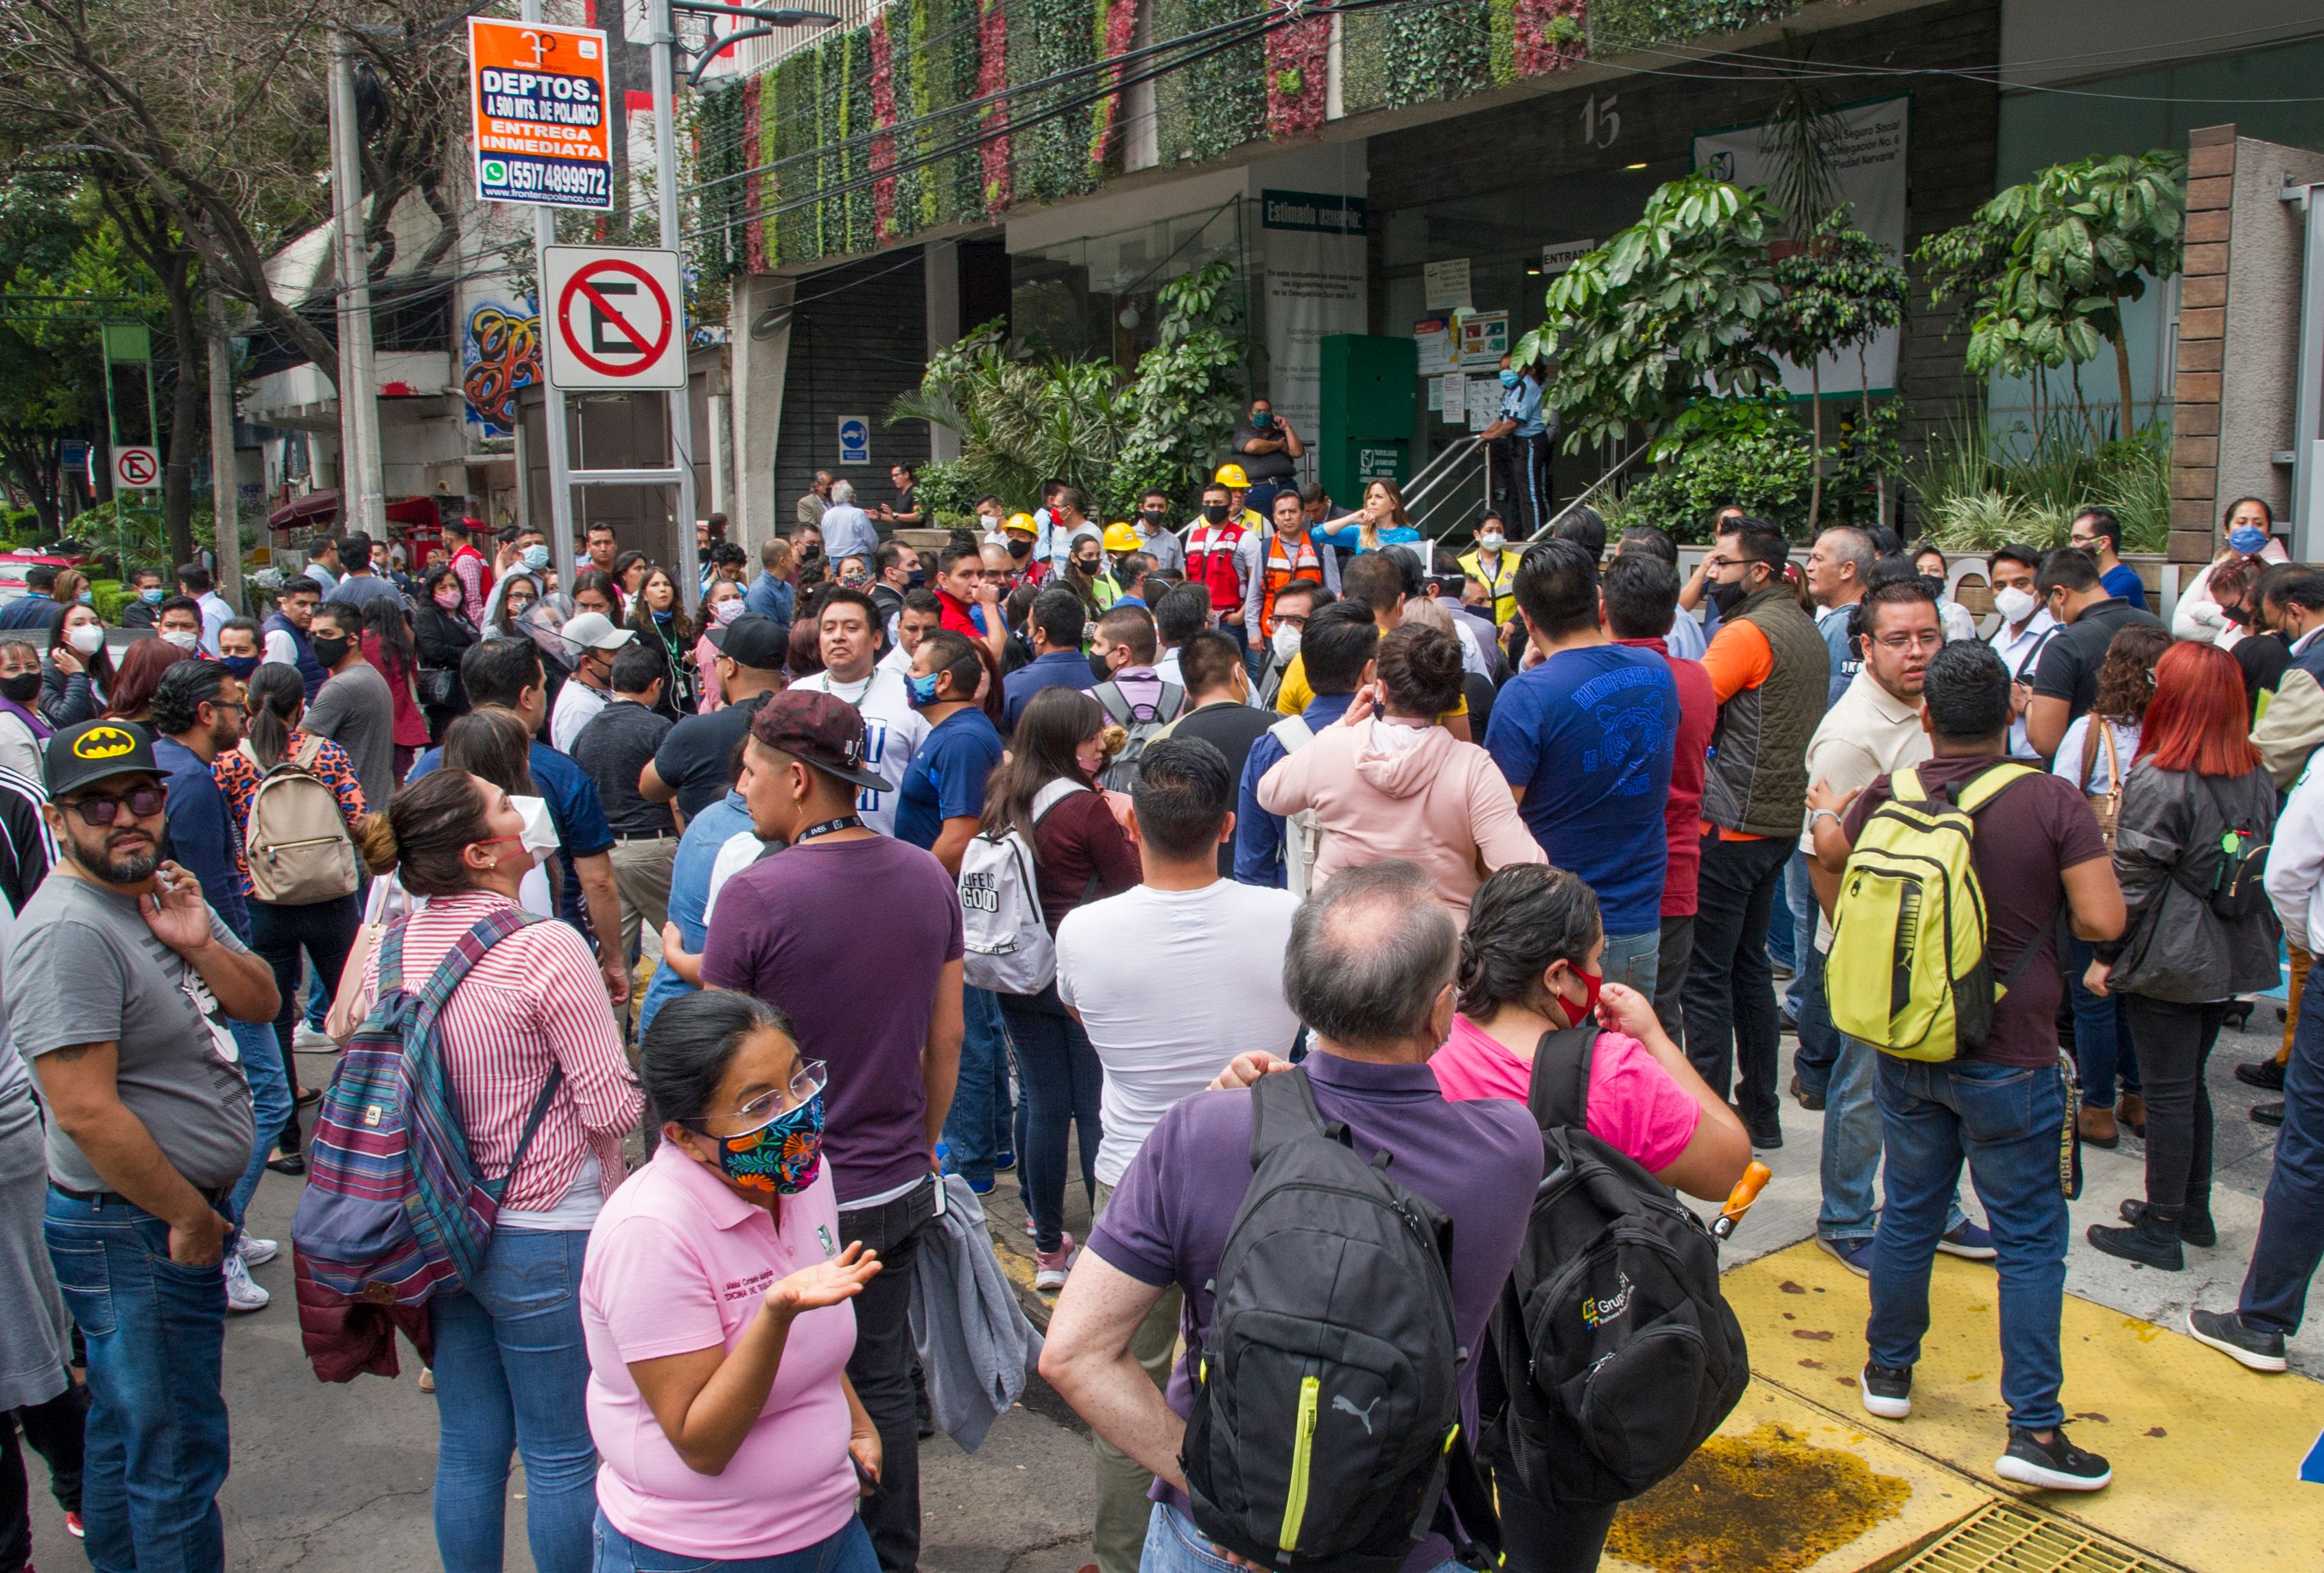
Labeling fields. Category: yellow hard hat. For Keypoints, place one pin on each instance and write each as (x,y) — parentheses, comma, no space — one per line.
(1230,475)
(1120,537)
(1023,522)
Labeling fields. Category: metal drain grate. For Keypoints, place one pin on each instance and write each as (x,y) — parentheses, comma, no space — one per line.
(2003,1536)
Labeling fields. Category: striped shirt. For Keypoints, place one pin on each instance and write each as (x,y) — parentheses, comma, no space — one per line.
(537,998)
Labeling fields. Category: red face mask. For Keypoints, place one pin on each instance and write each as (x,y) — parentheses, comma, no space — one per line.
(1588,1009)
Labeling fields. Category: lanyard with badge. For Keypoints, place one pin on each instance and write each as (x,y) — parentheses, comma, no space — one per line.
(828,828)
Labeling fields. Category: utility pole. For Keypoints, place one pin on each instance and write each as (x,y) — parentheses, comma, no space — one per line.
(362,491)
(552,397)
(225,488)
(681,401)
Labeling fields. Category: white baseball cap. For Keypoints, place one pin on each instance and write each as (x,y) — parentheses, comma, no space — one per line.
(595,631)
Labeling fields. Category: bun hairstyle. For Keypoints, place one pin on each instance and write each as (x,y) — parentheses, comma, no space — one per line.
(694,1038)
(1521,920)
(1419,667)
(426,827)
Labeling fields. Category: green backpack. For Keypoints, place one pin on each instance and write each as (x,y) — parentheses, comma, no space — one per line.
(1907,972)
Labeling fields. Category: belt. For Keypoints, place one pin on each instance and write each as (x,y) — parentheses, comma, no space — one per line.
(216,1196)
(648,836)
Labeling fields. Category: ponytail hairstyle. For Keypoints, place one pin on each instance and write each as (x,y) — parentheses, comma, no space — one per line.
(1522,921)
(275,697)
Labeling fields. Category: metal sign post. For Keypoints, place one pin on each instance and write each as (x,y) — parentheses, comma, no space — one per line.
(681,400)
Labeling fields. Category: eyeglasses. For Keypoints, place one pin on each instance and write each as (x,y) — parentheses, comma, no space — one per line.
(143,803)
(1284,620)
(810,1078)
(1900,642)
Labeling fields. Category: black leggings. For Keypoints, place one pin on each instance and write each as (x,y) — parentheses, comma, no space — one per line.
(2172,1041)
(54,1429)
(1535,1539)
(324,932)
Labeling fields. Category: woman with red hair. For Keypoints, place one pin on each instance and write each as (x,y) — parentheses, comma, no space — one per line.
(2191,844)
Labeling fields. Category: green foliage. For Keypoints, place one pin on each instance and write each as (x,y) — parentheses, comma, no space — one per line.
(944,487)
(1840,288)
(1668,310)
(1718,452)
(1023,419)
(1049,159)
(1218,103)
(1619,25)
(2047,265)
(1976,494)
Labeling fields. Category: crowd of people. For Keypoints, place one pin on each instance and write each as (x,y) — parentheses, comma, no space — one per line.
(723,930)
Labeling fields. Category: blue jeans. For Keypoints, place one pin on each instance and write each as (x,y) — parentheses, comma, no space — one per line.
(2008,1122)
(1812,1020)
(1851,1146)
(270,1104)
(2292,1223)
(848,1551)
(509,1375)
(1633,960)
(1061,1080)
(1783,923)
(2102,1045)
(1173,1545)
(156,1450)
(1799,894)
(976,1128)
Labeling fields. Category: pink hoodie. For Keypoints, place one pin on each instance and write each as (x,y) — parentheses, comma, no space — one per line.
(1443,805)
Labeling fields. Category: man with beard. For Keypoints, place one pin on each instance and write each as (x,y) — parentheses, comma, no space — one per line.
(121,980)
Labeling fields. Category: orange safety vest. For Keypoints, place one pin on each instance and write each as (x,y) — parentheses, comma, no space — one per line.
(1281,569)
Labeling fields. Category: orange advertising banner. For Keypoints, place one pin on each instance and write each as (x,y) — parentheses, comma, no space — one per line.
(541,131)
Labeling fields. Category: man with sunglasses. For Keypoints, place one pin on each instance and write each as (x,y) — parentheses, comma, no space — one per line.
(120,979)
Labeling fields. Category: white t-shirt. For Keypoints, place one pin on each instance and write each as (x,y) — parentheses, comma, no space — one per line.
(1171,984)
(893,732)
(898,661)
(735,854)
(577,704)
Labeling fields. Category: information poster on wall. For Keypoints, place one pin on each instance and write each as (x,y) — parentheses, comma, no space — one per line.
(1456,400)
(1432,337)
(1869,166)
(1484,339)
(1315,273)
(1445,285)
(1435,395)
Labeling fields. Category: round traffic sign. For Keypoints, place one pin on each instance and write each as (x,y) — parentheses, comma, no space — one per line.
(615,328)
(136,468)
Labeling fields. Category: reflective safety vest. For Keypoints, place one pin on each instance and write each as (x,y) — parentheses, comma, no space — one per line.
(1279,568)
(1211,563)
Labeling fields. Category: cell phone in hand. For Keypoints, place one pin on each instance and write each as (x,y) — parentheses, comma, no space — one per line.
(865,1480)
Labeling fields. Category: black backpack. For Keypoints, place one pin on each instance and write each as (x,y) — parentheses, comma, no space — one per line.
(1612,1354)
(1326,1406)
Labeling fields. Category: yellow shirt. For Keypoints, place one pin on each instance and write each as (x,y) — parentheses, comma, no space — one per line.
(1292,698)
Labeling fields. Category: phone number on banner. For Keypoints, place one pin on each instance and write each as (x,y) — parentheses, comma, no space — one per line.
(521,178)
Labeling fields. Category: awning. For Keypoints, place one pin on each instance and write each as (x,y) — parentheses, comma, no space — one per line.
(304,510)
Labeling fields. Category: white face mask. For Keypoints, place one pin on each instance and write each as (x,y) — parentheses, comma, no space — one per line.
(183,640)
(539,829)
(1286,643)
(2013,604)
(88,638)
(1491,542)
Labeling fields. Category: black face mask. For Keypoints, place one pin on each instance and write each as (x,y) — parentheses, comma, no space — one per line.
(1090,567)
(1727,597)
(1019,547)
(1153,517)
(1098,669)
(328,650)
(1216,513)
(23,688)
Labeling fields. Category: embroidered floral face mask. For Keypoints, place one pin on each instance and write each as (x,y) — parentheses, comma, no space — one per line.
(784,1155)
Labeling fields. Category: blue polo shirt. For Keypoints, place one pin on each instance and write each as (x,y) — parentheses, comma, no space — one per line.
(1259,834)
(689,893)
(574,807)
(2123,583)
(200,833)
(1060,669)
(1522,404)
(946,780)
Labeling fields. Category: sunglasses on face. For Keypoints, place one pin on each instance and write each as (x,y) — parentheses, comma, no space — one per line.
(143,803)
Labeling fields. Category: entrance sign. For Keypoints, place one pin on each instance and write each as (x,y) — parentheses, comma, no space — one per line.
(615,317)
(536,95)
(135,470)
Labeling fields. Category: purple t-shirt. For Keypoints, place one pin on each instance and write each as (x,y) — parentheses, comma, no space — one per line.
(1479,1161)
(848,938)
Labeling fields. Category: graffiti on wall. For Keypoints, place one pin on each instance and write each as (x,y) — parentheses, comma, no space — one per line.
(500,352)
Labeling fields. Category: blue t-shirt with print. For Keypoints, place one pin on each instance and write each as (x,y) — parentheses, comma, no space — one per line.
(1589,735)
(946,780)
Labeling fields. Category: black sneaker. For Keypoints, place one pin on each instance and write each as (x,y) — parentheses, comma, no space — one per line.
(2225,1331)
(2265,1074)
(1770,1136)
(2056,1465)
(2267,1114)
(1887,1391)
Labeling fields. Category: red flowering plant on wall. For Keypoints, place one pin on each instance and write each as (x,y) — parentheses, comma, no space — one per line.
(1121,25)
(1549,35)
(991,77)
(883,145)
(1297,55)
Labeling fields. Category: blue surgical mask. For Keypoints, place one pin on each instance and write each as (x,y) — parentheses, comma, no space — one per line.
(1508,379)
(241,666)
(151,597)
(87,597)
(923,689)
(536,558)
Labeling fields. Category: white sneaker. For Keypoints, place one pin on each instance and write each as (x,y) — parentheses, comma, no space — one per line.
(306,1038)
(241,1293)
(258,1253)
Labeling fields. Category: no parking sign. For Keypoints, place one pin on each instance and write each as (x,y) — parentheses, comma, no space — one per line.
(616,317)
(136,468)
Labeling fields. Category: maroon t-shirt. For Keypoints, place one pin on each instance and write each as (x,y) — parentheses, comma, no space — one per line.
(848,939)
(1077,839)
(2025,837)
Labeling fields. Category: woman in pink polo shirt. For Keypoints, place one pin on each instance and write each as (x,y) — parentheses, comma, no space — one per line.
(715,1306)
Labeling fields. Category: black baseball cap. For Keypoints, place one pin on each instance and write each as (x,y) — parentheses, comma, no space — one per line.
(817,729)
(95,751)
(753,641)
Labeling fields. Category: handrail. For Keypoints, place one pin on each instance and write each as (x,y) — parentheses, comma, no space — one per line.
(1437,470)
(1584,494)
